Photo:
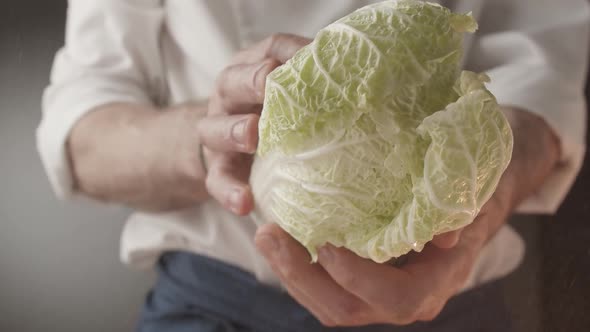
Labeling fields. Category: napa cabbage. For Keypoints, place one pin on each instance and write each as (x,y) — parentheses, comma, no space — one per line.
(372,137)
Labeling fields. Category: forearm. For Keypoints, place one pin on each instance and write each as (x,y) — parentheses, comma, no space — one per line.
(135,155)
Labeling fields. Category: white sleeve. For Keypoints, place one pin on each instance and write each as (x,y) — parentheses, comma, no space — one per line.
(111,54)
(535,52)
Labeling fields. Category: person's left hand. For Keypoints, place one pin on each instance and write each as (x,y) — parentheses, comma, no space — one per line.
(347,290)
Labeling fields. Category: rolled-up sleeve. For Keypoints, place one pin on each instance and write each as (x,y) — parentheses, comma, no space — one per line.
(536,54)
(111,54)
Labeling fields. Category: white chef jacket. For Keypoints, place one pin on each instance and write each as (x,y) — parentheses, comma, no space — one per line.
(166,52)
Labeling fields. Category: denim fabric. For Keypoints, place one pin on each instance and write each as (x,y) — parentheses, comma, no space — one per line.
(199,294)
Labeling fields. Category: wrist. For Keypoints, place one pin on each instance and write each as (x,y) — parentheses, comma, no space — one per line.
(178,158)
(138,156)
(167,159)
(101,147)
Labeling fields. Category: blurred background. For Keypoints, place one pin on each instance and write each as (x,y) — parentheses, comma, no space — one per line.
(59,267)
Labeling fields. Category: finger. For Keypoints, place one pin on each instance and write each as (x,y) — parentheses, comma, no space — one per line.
(239,87)
(448,267)
(385,288)
(268,246)
(227,182)
(316,310)
(280,46)
(226,133)
(311,284)
(447,240)
(432,311)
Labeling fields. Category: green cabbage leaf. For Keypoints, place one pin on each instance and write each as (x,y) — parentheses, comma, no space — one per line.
(373,139)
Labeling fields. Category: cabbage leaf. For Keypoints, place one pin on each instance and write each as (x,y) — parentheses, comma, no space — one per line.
(372,138)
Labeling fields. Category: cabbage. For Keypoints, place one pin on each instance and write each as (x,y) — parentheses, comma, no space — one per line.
(373,139)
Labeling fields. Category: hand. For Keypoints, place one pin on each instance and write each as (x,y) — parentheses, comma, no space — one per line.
(149,159)
(346,290)
(229,132)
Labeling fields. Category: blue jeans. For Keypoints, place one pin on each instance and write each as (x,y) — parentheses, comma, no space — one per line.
(199,294)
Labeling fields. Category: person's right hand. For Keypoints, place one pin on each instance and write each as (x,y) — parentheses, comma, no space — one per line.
(229,132)
(150,159)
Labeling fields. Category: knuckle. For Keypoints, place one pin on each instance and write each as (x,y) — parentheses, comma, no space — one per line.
(429,315)
(413,312)
(258,78)
(288,270)
(289,273)
(349,281)
(432,312)
(238,84)
(272,41)
(222,79)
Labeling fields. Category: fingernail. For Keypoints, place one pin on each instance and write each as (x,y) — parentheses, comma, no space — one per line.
(326,254)
(235,200)
(238,131)
(268,244)
(259,80)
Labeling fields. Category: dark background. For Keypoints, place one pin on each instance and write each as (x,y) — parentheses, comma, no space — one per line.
(59,268)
